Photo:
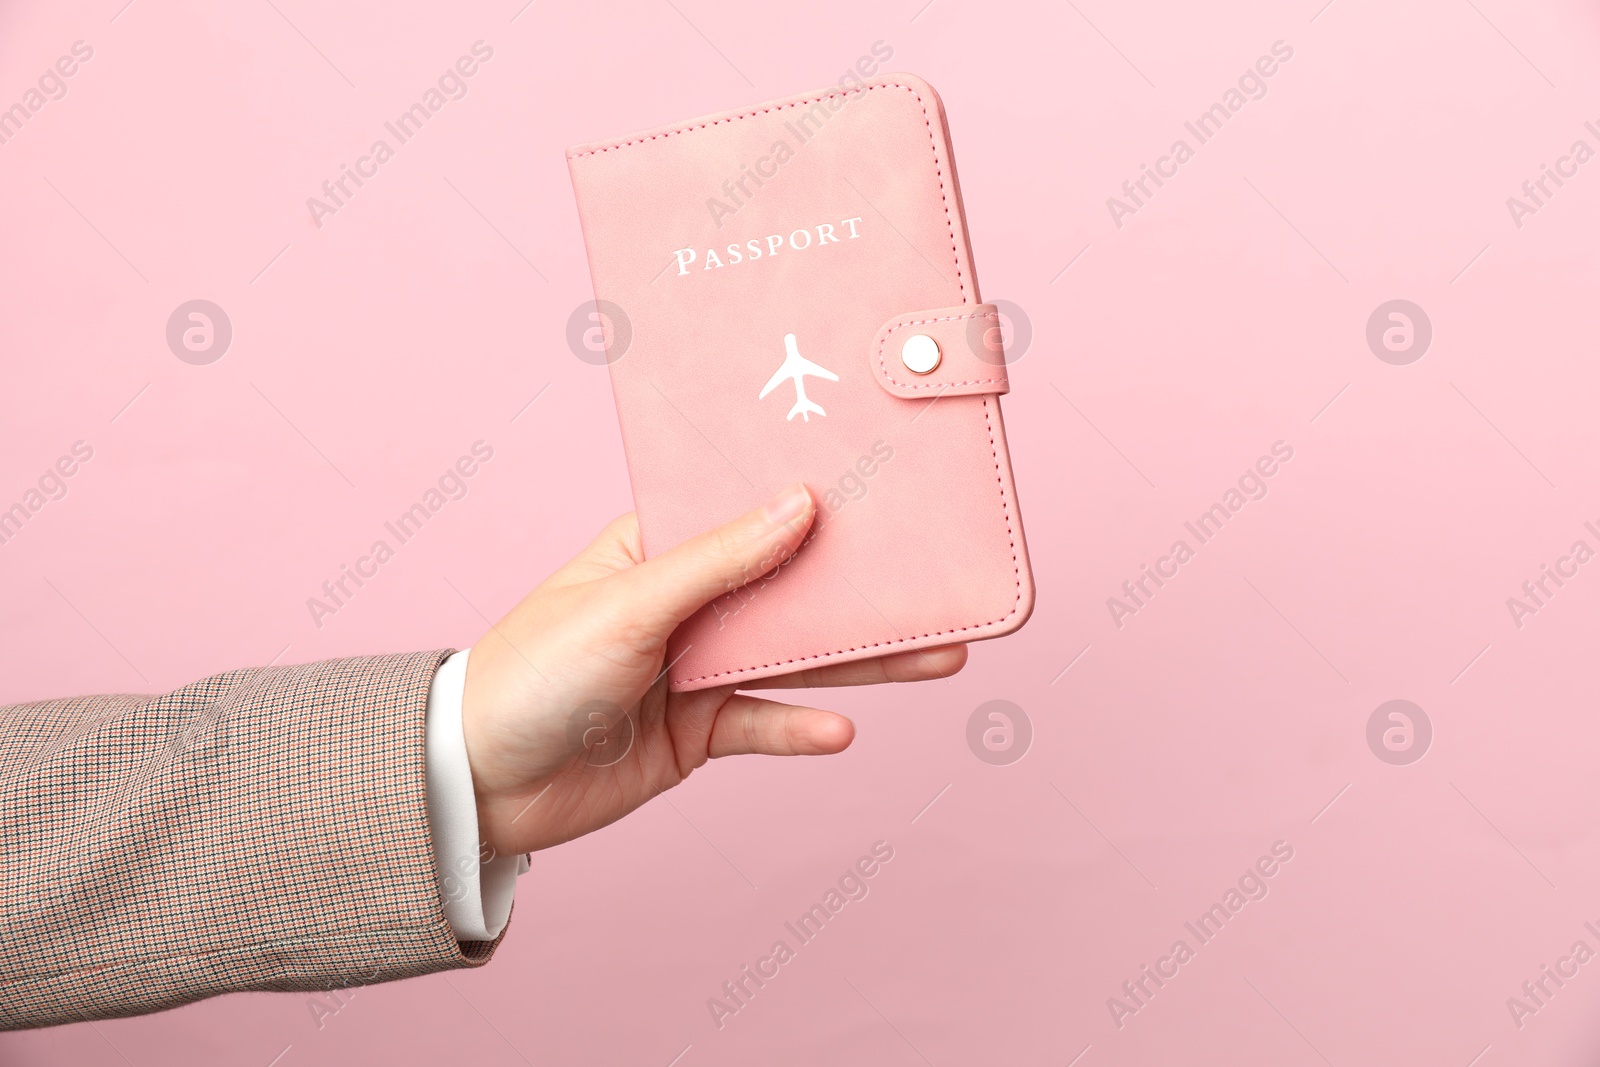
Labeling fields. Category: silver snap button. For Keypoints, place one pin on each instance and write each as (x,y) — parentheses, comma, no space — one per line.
(920,354)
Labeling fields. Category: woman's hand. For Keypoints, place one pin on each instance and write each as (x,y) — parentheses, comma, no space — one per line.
(573,677)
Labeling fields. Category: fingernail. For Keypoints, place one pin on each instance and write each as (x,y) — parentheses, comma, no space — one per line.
(788,505)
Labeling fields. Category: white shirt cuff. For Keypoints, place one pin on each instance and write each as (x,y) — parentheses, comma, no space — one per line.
(477,888)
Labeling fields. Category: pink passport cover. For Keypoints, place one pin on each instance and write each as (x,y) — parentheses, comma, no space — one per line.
(758,272)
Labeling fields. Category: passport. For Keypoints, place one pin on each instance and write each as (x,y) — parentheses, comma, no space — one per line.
(787,294)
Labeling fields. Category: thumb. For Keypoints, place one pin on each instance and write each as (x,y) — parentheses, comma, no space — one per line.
(668,588)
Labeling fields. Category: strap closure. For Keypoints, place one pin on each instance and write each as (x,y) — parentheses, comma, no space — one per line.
(963,344)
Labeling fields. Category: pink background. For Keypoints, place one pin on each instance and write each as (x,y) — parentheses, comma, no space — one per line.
(1227,314)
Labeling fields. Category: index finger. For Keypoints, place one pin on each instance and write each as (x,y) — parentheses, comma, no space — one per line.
(918,665)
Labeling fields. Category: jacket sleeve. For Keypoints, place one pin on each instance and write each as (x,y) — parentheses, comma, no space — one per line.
(257,830)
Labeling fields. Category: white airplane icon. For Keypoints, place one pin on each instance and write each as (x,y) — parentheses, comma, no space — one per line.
(795,368)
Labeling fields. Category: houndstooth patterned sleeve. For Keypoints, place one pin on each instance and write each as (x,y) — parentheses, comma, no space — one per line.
(256,830)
